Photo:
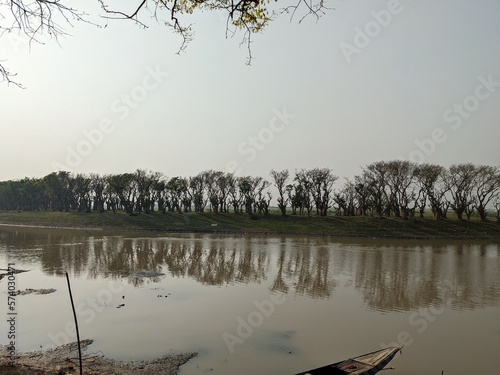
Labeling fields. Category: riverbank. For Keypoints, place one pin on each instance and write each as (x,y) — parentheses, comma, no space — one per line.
(173,222)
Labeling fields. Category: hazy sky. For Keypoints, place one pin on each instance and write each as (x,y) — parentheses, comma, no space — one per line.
(370,81)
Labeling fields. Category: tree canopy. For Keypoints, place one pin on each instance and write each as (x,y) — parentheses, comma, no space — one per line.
(36,18)
(395,188)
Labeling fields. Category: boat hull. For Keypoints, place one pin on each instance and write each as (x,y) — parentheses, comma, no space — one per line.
(366,364)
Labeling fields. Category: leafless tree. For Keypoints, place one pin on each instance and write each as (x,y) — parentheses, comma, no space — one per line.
(178,198)
(363,196)
(223,184)
(215,186)
(142,182)
(322,180)
(403,191)
(98,186)
(430,180)
(280,181)
(197,191)
(158,189)
(82,192)
(496,204)
(301,197)
(487,185)
(122,187)
(249,189)
(347,199)
(459,181)
(376,177)
(234,196)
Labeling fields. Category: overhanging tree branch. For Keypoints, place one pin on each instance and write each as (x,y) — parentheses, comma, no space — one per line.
(32,19)
(36,18)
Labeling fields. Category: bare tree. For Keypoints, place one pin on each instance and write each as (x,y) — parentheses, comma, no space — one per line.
(430,180)
(263,201)
(346,199)
(403,190)
(459,181)
(177,191)
(487,185)
(143,181)
(82,193)
(376,176)
(280,180)
(98,186)
(223,183)
(363,196)
(158,189)
(122,186)
(235,198)
(496,204)
(302,196)
(217,190)
(197,191)
(322,180)
(250,188)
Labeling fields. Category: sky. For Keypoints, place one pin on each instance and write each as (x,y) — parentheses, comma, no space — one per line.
(369,81)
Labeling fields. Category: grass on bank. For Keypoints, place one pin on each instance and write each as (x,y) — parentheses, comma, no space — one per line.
(357,226)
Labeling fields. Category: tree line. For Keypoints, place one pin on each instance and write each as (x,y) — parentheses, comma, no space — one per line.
(386,188)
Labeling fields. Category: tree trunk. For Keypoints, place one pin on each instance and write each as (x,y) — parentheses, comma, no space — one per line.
(481,212)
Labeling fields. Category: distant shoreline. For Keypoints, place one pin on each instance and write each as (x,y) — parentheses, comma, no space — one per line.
(243,224)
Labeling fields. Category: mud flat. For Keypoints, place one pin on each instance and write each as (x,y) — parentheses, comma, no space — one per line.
(64,360)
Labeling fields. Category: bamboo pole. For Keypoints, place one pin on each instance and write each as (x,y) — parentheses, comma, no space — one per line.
(76,325)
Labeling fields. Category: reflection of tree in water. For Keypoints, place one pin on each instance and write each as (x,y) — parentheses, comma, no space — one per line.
(212,266)
(310,267)
(422,276)
(390,275)
(209,261)
(279,284)
(477,276)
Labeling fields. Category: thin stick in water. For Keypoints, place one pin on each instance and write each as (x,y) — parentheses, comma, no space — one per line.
(76,325)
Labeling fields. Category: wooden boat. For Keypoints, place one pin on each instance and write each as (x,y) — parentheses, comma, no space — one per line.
(366,364)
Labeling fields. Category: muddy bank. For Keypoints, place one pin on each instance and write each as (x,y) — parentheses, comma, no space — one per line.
(64,360)
(256,224)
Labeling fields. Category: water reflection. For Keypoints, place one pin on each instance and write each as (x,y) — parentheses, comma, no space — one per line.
(397,275)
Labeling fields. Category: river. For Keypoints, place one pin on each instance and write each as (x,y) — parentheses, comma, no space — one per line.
(259,304)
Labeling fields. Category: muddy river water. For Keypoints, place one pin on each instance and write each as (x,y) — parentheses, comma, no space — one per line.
(259,304)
